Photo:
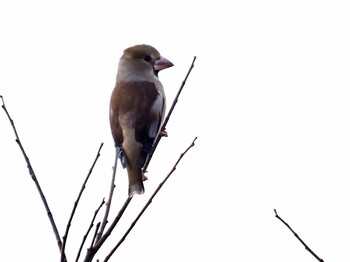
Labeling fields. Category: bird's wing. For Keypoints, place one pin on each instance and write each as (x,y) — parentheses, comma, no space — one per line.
(139,106)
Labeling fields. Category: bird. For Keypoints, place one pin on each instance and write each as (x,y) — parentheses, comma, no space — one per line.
(137,109)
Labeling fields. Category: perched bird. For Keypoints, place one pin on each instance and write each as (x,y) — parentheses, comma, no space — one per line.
(137,109)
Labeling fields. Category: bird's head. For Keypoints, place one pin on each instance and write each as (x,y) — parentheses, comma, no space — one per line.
(146,56)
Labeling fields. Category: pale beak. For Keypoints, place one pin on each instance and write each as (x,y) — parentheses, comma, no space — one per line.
(162,63)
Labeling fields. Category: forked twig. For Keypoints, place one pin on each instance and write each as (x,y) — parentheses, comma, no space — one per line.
(155,144)
(88,231)
(92,250)
(296,235)
(33,176)
(76,204)
(94,237)
(148,202)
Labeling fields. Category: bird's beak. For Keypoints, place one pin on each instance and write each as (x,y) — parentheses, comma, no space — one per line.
(162,63)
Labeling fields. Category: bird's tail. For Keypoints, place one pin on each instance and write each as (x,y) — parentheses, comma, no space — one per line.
(132,150)
(136,188)
(135,180)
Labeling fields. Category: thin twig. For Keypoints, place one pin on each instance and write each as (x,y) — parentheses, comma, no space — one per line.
(36,182)
(109,201)
(155,144)
(148,202)
(88,231)
(296,235)
(76,204)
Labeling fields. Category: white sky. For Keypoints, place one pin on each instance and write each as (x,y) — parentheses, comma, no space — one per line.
(268,99)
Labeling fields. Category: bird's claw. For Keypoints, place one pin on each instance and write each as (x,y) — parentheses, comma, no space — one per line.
(144,177)
(163,133)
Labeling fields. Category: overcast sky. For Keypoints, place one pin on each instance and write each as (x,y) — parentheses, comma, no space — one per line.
(268,100)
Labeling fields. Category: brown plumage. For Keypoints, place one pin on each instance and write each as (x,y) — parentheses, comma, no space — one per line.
(137,109)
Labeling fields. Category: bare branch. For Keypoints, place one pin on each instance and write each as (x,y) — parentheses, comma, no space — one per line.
(109,201)
(156,142)
(148,202)
(76,203)
(296,235)
(88,231)
(36,182)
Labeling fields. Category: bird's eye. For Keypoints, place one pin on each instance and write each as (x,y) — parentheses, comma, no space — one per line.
(147,58)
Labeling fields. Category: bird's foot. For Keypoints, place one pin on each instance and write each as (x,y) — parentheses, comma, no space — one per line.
(144,177)
(163,133)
